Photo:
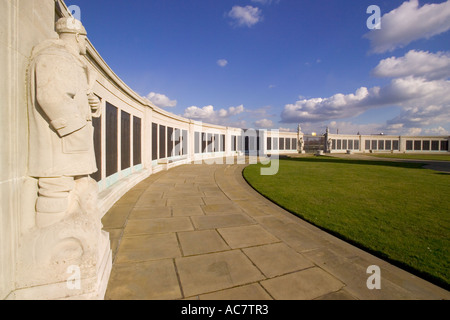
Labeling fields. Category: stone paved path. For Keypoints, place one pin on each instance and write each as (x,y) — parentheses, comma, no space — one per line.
(201,232)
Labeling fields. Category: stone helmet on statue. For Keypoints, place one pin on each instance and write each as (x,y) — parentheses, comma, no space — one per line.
(70,25)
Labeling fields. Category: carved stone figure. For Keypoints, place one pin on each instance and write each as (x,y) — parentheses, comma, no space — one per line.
(60,113)
(67,231)
(329,144)
(300,145)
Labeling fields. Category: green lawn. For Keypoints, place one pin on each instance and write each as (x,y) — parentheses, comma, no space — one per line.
(398,211)
(413,156)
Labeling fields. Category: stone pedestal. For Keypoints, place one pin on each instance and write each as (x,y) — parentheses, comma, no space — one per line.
(70,259)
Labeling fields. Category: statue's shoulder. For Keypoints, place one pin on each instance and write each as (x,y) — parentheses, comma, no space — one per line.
(52,47)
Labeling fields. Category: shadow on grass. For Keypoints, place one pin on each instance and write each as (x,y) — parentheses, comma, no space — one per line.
(443,173)
(325,159)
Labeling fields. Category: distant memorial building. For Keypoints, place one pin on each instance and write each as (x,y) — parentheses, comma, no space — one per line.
(74,141)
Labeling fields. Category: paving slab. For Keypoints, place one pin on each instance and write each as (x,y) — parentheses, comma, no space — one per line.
(159,225)
(251,292)
(151,280)
(201,232)
(187,211)
(221,208)
(148,247)
(215,271)
(302,285)
(220,221)
(200,242)
(277,259)
(246,236)
(116,217)
(150,212)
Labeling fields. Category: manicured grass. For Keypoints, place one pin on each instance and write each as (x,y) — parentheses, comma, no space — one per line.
(436,157)
(398,211)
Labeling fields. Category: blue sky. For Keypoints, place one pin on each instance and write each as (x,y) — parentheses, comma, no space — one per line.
(276,63)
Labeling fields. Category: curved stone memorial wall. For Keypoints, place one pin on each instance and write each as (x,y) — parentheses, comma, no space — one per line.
(132,139)
(51,254)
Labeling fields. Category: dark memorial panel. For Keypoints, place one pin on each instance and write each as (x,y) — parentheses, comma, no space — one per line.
(333,144)
(269,144)
(197,142)
(281,145)
(444,145)
(210,142)
(339,144)
(395,145)
(288,144)
(97,124)
(111,140)
(137,141)
(435,145)
(388,145)
(162,142)
(426,145)
(374,144)
(125,135)
(409,145)
(170,141)
(356,144)
(417,145)
(258,143)
(367,145)
(216,143)
(233,143)
(380,144)
(350,144)
(154,141)
(204,142)
(294,143)
(247,143)
(177,141)
(275,144)
(222,145)
(185,142)
(344,144)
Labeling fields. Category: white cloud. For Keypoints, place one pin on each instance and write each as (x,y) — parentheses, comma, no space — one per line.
(263,124)
(338,106)
(161,100)
(222,62)
(232,111)
(209,115)
(245,16)
(281,129)
(347,127)
(438,131)
(408,23)
(423,103)
(265,2)
(197,113)
(431,66)
(420,86)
